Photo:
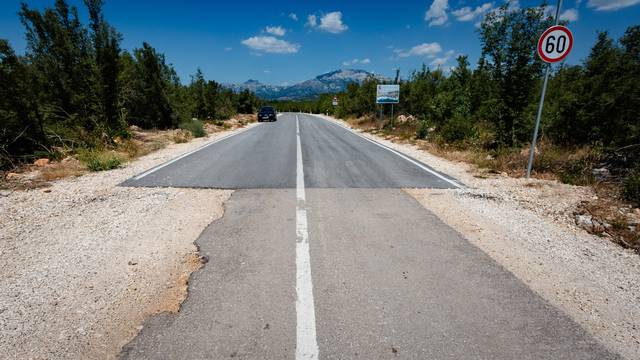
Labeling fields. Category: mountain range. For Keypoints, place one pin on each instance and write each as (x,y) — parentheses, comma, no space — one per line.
(331,82)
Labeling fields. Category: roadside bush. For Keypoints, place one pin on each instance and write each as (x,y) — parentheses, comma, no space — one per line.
(100,160)
(457,129)
(577,169)
(195,127)
(181,136)
(631,188)
(423,130)
(577,173)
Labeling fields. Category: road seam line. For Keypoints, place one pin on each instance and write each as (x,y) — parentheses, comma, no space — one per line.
(432,172)
(306,343)
(158,167)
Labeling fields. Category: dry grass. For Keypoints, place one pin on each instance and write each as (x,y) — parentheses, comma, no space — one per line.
(182,136)
(66,168)
(614,219)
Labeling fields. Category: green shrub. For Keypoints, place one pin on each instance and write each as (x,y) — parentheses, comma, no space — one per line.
(571,170)
(100,160)
(457,129)
(195,127)
(631,189)
(423,130)
(577,173)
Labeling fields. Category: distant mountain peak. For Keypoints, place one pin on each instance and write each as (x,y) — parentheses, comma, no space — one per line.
(345,73)
(330,82)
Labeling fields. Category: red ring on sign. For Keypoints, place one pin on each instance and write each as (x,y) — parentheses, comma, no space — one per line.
(566,53)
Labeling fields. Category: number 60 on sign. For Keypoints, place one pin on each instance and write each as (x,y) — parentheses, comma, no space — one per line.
(555,44)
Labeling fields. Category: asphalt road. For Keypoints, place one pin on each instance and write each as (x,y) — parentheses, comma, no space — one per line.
(265,158)
(320,254)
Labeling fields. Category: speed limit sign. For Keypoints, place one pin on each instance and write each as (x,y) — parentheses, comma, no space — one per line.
(555,44)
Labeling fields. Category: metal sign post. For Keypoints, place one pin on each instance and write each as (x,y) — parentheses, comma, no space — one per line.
(554,45)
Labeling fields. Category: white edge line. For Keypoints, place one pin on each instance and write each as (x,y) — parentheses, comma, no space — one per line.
(430,171)
(158,167)
(306,342)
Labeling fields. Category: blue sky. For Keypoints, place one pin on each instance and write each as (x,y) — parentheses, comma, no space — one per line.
(279,42)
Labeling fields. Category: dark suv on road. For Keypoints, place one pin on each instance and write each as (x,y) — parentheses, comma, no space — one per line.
(267,113)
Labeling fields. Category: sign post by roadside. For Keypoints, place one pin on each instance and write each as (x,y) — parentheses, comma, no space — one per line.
(387,94)
(553,46)
(335,101)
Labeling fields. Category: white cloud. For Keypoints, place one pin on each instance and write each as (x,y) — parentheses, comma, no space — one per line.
(312,21)
(468,14)
(439,61)
(429,50)
(611,5)
(364,61)
(437,13)
(270,44)
(293,16)
(267,71)
(570,15)
(276,30)
(228,49)
(332,23)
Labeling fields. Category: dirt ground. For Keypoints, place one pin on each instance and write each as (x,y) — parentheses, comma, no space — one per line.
(84,261)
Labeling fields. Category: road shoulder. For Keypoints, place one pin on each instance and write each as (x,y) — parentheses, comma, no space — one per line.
(84,262)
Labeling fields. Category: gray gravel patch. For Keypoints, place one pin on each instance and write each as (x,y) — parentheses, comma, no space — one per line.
(83,263)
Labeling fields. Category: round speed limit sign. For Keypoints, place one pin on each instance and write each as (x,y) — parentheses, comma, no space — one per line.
(555,44)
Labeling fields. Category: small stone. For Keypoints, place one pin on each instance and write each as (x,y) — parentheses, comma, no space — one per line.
(11,175)
(601,174)
(46,190)
(132,263)
(41,162)
(584,221)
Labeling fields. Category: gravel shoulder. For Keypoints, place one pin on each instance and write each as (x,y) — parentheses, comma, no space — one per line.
(527,226)
(84,262)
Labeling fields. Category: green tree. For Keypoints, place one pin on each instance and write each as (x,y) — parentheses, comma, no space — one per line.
(152,107)
(59,49)
(197,88)
(509,40)
(22,130)
(106,44)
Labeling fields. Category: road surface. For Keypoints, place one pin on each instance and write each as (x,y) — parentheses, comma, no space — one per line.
(321,254)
